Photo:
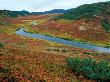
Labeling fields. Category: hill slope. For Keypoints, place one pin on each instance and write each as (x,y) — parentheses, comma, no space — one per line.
(12,14)
(100,9)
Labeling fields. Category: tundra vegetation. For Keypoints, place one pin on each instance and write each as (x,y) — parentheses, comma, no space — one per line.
(99,71)
(25,59)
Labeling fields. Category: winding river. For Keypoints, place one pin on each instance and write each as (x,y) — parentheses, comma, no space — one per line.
(62,41)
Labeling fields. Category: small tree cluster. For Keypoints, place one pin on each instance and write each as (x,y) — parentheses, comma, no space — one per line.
(99,71)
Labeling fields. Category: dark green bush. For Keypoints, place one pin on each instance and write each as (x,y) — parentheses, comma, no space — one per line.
(4,70)
(99,71)
(1,45)
(12,79)
(105,25)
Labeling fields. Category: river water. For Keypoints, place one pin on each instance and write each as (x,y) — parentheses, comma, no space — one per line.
(62,41)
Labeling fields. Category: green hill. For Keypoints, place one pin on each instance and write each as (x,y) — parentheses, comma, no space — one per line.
(100,9)
(12,14)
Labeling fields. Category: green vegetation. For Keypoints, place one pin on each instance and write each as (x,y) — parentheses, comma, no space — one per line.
(30,30)
(107,45)
(12,14)
(4,23)
(99,71)
(4,70)
(105,25)
(1,45)
(87,11)
(28,59)
(5,73)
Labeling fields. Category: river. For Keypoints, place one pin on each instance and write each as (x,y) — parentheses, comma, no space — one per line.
(62,41)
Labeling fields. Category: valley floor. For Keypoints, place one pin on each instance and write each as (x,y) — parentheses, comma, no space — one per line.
(84,30)
(32,60)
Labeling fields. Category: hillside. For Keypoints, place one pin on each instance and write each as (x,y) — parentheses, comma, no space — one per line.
(100,9)
(12,14)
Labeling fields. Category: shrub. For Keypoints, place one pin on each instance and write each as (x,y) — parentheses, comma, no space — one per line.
(6,76)
(1,45)
(105,25)
(99,71)
(12,79)
(4,70)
